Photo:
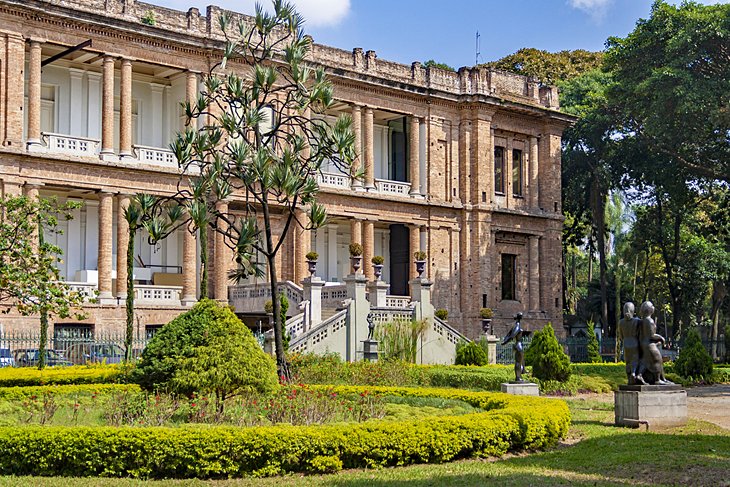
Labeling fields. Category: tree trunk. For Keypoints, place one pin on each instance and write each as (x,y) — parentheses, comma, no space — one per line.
(617,297)
(599,223)
(130,293)
(44,312)
(203,238)
(281,363)
(719,293)
(43,345)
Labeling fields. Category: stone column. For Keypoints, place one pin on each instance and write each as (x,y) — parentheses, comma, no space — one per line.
(191,87)
(357,130)
(107,109)
(34,96)
(368,245)
(356,230)
(312,287)
(125,111)
(190,262)
(414,163)
(534,173)
(301,247)
(534,284)
(93,120)
(222,258)
(31,192)
(414,245)
(11,188)
(106,205)
(123,201)
(368,149)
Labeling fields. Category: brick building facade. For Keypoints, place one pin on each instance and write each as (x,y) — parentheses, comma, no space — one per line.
(463,165)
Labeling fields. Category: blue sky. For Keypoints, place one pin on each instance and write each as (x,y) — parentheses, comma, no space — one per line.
(417,30)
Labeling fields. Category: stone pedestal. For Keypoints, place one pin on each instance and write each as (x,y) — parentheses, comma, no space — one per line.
(492,349)
(521,388)
(370,350)
(653,406)
(378,292)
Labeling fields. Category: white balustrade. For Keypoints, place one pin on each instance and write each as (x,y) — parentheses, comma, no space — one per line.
(451,334)
(320,333)
(333,295)
(397,301)
(147,294)
(70,144)
(334,180)
(85,289)
(156,156)
(387,186)
(251,298)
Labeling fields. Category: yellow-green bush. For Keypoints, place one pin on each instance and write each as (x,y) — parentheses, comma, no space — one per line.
(509,423)
(21,392)
(79,374)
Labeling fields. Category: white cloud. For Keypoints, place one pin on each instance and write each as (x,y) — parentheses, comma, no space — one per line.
(317,13)
(595,8)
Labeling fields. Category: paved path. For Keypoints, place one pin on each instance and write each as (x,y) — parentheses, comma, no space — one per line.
(710,403)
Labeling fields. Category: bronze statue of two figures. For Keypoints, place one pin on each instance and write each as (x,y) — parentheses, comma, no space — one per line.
(642,346)
(517,334)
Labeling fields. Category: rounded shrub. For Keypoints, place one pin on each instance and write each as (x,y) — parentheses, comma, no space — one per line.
(470,354)
(693,360)
(207,349)
(546,356)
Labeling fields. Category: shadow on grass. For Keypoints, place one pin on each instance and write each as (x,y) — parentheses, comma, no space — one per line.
(622,458)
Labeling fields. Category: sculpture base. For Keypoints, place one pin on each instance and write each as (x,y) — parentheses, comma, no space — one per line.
(654,406)
(370,350)
(521,388)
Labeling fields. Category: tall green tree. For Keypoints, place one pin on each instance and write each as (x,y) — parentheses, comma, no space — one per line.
(588,161)
(29,277)
(262,142)
(672,78)
(549,67)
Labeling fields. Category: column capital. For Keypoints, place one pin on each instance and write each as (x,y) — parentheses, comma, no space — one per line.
(33,185)
(36,41)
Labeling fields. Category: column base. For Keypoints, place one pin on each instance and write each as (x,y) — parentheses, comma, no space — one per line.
(188,301)
(127,157)
(108,156)
(418,196)
(369,186)
(107,298)
(34,145)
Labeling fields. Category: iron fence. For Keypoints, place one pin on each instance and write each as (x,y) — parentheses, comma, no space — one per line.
(577,349)
(79,347)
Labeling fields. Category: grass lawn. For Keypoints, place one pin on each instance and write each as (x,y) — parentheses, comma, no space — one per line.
(595,453)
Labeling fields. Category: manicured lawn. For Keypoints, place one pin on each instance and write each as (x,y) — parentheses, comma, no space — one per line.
(595,453)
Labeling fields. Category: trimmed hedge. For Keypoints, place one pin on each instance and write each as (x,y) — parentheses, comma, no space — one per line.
(78,374)
(510,423)
(13,393)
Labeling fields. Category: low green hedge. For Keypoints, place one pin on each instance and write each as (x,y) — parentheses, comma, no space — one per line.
(78,374)
(510,423)
(14,393)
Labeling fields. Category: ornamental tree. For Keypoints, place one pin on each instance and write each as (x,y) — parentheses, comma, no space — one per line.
(29,276)
(262,144)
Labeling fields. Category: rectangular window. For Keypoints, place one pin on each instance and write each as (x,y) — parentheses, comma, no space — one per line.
(499,170)
(517,172)
(509,276)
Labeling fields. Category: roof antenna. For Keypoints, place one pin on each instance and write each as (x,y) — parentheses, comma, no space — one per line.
(476,60)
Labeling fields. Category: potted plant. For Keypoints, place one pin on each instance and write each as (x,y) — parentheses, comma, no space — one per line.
(355,256)
(377,261)
(442,314)
(486,315)
(420,257)
(312,257)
